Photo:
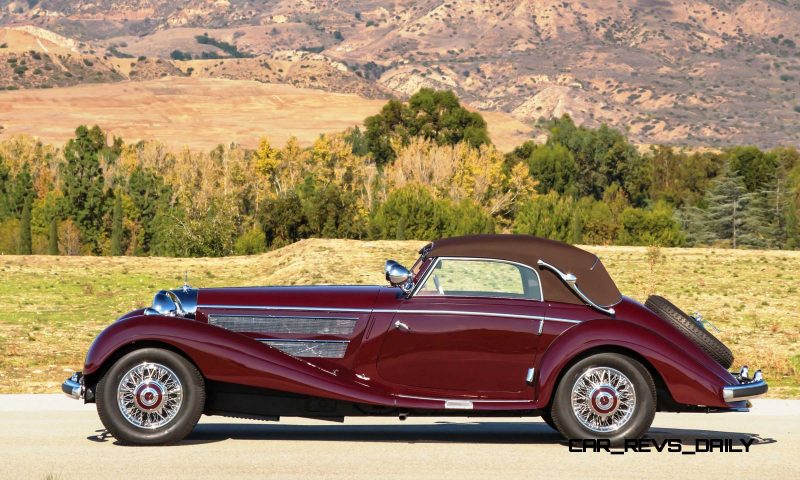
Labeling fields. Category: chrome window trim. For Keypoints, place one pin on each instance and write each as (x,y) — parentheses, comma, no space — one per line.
(430,270)
(396,311)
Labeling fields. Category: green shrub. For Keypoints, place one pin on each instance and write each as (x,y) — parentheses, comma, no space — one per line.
(251,242)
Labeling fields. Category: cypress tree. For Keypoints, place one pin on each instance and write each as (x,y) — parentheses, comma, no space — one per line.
(52,245)
(25,243)
(83,183)
(116,227)
(760,226)
(727,200)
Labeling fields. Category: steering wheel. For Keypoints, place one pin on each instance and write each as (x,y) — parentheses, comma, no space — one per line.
(438,284)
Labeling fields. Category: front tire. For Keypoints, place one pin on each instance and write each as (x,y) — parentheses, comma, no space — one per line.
(150,396)
(608,395)
(548,419)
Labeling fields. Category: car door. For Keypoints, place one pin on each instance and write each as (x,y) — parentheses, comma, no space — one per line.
(471,325)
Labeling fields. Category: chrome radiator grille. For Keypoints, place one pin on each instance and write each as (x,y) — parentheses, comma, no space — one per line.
(309,348)
(283,324)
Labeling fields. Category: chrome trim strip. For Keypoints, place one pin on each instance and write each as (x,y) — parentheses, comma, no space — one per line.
(458,404)
(465,313)
(309,309)
(571,281)
(482,259)
(395,311)
(474,400)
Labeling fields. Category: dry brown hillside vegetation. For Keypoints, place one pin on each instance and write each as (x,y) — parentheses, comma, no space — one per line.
(704,72)
(201,113)
(52,307)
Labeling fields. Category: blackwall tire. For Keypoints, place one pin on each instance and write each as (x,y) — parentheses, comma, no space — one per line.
(692,328)
(548,419)
(605,396)
(150,396)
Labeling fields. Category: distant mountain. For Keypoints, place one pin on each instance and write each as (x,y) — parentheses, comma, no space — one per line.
(710,72)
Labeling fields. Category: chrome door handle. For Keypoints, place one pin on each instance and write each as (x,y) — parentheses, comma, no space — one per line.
(402,326)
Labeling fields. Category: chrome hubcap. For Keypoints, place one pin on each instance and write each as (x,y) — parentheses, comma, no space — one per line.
(603,399)
(149,395)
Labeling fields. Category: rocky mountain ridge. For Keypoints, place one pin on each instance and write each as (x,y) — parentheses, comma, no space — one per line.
(697,72)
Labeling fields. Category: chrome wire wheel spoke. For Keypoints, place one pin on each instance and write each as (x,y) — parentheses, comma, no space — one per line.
(149,395)
(603,399)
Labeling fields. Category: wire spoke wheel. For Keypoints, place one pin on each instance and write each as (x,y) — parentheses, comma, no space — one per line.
(149,395)
(603,399)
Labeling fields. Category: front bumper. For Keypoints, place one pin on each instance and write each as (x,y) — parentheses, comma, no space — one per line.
(74,387)
(747,388)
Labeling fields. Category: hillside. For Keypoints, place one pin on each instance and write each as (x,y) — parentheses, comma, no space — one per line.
(201,112)
(704,72)
(35,58)
(52,307)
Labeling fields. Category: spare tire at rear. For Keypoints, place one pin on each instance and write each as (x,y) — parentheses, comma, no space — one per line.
(692,328)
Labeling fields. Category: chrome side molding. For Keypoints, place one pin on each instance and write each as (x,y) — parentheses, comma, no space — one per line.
(394,310)
(571,281)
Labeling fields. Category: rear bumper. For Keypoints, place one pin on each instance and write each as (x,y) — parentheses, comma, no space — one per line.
(747,388)
(73,386)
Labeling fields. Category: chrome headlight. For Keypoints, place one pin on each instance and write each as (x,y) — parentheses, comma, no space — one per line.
(181,302)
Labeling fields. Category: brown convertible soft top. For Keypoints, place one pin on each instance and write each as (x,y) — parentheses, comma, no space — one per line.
(593,279)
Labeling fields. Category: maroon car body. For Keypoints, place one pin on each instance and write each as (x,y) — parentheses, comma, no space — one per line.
(337,351)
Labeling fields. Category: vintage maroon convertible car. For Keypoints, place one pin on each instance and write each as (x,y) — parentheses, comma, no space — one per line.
(487,325)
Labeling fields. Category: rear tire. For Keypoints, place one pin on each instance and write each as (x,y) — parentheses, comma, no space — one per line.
(150,396)
(692,328)
(608,396)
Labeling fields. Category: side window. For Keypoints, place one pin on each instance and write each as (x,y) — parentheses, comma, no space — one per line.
(481,278)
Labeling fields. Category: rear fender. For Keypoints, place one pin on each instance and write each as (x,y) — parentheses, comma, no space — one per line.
(226,356)
(688,380)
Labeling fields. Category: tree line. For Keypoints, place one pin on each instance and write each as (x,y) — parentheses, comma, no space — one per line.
(420,169)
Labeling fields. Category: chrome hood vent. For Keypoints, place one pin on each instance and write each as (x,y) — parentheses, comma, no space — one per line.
(278,325)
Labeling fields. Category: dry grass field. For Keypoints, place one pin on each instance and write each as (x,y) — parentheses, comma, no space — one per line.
(201,112)
(52,307)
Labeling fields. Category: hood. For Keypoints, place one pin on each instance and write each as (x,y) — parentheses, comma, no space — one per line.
(351,297)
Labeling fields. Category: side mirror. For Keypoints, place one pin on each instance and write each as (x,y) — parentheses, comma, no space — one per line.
(398,275)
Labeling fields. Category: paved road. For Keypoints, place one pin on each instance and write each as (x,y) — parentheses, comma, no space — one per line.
(51,436)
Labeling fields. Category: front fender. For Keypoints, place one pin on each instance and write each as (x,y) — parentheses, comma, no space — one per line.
(226,356)
(689,377)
